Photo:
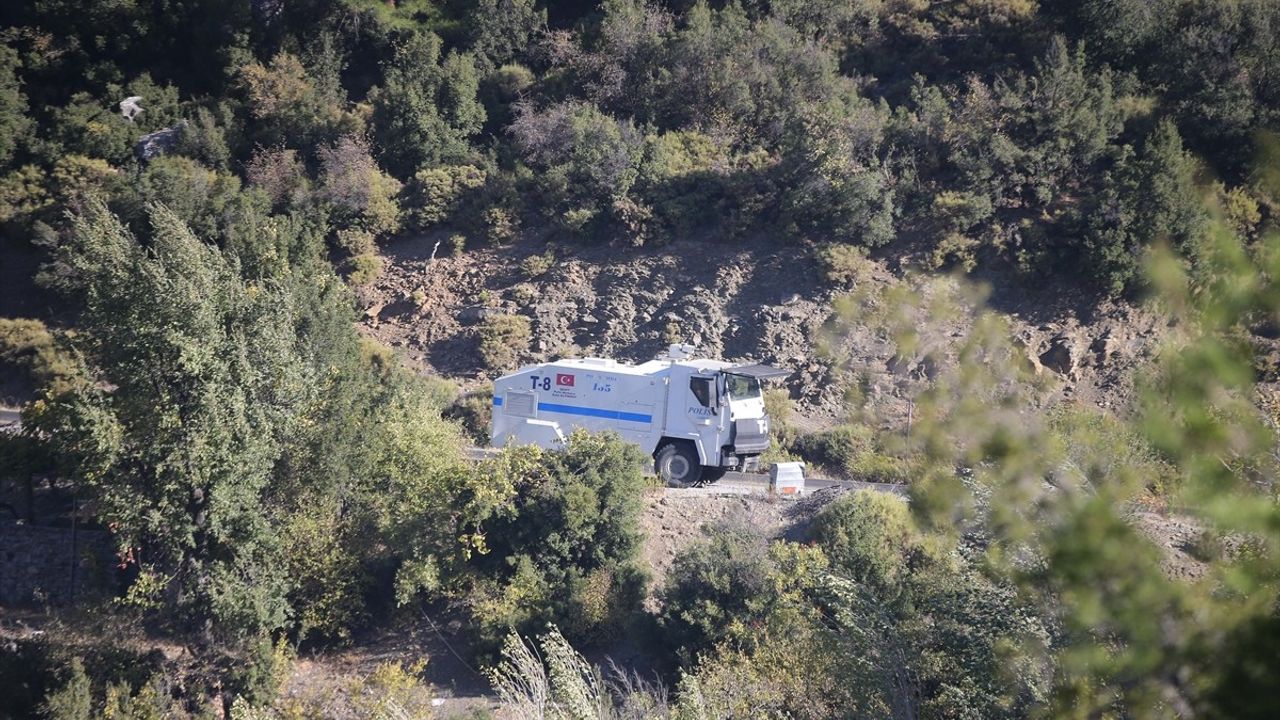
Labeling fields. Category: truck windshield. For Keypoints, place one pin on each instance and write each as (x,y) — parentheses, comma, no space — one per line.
(741,387)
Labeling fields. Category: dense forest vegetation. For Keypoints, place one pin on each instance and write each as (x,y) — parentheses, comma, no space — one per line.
(202,182)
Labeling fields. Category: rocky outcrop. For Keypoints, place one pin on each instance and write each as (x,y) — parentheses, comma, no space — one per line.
(1062,356)
(159,142)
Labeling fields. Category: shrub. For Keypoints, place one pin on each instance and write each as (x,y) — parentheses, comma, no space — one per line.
(777,403)
(837,187)
(854,450)
(587,159)
(293,103)
(328,581)
(538,265)
(265,668)
(563,549)
(393,690)
(364,268)
(197,195)
(729,590)
(954,248)
(433,194)
(501,90)
(500,225)
(844,264)
(355,241)
(75,702)
(83,127)
(960,211)
(713,591)
(76,176)
(474,412)
(29,345)
(867,534)
(426,107)
(504,339)
(23,193)
(361,194)
(280,174)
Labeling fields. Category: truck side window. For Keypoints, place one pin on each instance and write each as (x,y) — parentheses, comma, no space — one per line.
(701,388)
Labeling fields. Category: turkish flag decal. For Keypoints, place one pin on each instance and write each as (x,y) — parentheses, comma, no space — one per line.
(564,379)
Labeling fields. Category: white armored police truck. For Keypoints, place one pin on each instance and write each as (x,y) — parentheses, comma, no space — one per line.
(698,418)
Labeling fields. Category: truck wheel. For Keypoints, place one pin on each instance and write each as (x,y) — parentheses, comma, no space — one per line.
(678,465)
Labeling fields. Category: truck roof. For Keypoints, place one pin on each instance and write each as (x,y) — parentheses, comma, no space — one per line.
(651,367)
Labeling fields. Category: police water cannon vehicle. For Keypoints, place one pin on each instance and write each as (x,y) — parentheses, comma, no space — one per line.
(698,418)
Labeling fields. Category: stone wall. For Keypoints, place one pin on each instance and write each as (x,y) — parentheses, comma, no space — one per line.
(35,564)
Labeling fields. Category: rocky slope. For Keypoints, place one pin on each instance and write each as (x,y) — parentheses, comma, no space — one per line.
(756,301)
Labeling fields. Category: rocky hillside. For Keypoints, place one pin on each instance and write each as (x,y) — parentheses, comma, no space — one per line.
(758,301)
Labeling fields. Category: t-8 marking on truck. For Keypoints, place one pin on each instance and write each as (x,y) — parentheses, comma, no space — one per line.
(698,418)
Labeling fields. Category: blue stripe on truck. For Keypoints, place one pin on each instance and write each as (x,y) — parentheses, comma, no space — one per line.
(585,411)
(594,412)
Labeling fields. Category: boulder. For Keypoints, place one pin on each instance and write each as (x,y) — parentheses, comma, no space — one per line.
(476,313)
(1106,346)
(1062,356)
(159,142)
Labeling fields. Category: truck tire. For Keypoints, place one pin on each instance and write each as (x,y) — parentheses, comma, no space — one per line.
(678,466)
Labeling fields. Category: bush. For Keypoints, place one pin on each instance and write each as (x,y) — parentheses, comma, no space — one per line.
(844,264)
(75,177)
(354,241)
(474,412)
(853,450)
(563,548)
(867,534)
(433,194)
(197,195)
(361,194)
(954,248)
(504,339)
(538,265)
(280,174)
(364,268)
(730,589)
(264,670)
(292,103)
(500,225)
(777,403)
(427,106)
(587,159)
(24,192)
(29,345)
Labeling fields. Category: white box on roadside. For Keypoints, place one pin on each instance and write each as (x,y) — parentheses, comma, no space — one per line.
(786,478)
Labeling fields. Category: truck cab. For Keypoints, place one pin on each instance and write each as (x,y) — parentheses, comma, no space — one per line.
(698,418)
(721,425)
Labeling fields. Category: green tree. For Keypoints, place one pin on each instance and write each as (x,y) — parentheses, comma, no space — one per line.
(588,160)
(427,108)
(293,104)
(1145,199)
(201,382)
(554,538)
(503,30)
(1051,509)
(13,105)
(839,187)
(198,196)
(361,195)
